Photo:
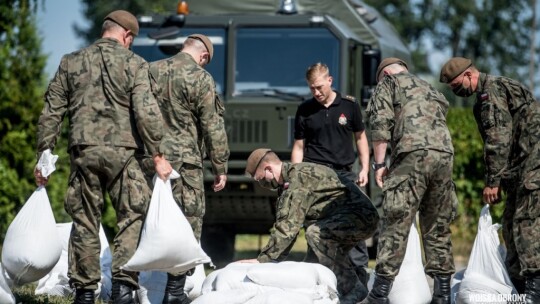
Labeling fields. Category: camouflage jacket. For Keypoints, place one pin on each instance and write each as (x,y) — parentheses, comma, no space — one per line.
(105,91)
(314,192)
(507,117)
(192,111)
(410,114)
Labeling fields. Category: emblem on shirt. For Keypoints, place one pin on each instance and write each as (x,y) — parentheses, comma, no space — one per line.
(342,119)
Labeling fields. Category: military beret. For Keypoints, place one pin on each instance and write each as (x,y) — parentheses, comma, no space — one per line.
(453,68)
(207,43)
(254,160)
(386,62)
(125,19)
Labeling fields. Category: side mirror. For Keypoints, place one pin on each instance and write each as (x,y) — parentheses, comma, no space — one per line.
(370,61)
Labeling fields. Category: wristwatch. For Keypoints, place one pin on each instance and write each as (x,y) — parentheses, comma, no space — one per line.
(376,166)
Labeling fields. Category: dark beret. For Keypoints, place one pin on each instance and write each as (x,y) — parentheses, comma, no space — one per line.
(125,19)
(386,62)
(453,68)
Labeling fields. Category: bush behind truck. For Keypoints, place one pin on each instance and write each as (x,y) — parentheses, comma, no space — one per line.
(262,49)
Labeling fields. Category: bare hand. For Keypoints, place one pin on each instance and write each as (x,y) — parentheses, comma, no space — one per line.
(362,178)
(162,166)
(249,261)
(379,175)
(492,195)
(219,182)
(40,179)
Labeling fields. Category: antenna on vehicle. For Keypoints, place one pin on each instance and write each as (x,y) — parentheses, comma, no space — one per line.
(287,7)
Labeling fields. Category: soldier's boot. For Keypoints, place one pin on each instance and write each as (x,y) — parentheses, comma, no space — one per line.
(379,292)
(84,296)
(519,284)
(357,294)
(441,290)
(174,291)
(122,293)
(532,290)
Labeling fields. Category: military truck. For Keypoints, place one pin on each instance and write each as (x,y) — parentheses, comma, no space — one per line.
(262,50)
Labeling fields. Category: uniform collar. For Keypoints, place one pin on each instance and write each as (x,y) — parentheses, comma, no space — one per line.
(481,86)
(285,167)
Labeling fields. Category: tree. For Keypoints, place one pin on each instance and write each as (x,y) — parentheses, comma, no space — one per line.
(22,81)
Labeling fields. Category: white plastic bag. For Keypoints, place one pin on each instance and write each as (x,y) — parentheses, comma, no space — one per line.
(486,272)
(6,297)
(166,228)
(410,285)
(32,246)
(56,282)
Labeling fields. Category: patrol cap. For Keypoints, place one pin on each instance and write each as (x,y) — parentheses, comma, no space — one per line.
(453,68)
(386,62)
(254,160)
(207,43)
(125,19)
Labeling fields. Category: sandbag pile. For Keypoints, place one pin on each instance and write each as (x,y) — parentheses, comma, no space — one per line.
(283,283)
(56,282)
(486,275)
(6,296)
(410,285)
(152,285)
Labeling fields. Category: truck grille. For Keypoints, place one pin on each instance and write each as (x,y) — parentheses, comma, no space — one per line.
(248,131)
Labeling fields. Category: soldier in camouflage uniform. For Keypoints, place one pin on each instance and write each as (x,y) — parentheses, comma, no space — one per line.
(410,114)
(105,91)
(508,119)
(335,213)
(193,115)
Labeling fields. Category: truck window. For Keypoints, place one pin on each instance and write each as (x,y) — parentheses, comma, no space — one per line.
(152,50)
(277,58)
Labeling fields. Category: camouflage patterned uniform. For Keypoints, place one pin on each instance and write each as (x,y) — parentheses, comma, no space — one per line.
(508,119)
(407,112)
(193,115)
(104,90)
(336,215)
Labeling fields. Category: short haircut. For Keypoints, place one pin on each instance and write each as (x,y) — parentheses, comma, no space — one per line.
(109,25)
(316,70)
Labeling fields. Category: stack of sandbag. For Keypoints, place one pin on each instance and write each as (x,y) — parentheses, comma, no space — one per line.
(152,285)
(410,285)
(486,276)
(166,228)
(283,283)
(56,282)
(6,296)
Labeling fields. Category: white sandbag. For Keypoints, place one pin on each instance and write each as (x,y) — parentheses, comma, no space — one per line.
(455,284)
(226,297)
(56,282)
(152,285)
(326,277)
(284,275)
(32,247)
(166,228)
(6,296)
(281,297)
(233,276)
(209,283)
(486,272)
(410,285)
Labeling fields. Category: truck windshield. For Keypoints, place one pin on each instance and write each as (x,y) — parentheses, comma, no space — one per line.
(152,50)
(276,59)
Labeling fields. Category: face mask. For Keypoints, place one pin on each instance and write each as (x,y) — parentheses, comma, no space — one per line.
(461,91)
(271,185)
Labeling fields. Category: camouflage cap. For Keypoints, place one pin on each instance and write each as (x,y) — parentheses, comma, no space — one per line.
(453,68)
(125,19)
(254,160)
(386,62)
(207,43)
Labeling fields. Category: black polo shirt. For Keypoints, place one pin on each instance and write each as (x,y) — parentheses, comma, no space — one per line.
(328,133)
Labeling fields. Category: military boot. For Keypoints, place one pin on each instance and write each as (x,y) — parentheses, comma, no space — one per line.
(174,291)
(84,296)
(379,292)
(532,290)
(441,290)
(122,293)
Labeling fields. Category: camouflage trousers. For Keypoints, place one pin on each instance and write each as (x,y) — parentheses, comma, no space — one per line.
(188,191)
(330,240)
(96,170)
(419,181)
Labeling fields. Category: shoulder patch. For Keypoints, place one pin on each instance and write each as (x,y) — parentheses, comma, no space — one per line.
(348,98)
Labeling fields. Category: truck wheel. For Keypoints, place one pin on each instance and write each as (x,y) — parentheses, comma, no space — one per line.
(218,243)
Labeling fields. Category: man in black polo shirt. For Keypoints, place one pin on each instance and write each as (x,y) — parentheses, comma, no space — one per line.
(325,127)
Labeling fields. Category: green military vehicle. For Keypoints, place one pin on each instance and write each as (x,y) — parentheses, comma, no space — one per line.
(262,50)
